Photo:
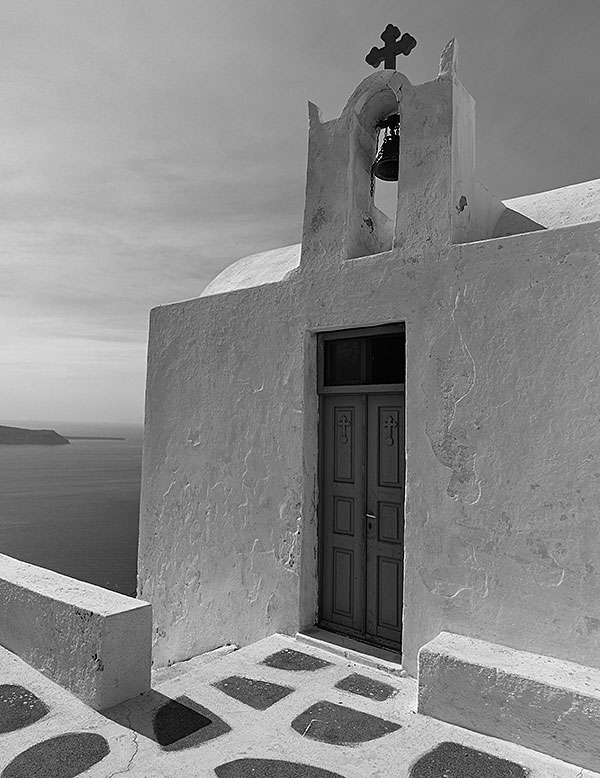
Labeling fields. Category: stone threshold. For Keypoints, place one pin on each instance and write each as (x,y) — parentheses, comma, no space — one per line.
(353,650)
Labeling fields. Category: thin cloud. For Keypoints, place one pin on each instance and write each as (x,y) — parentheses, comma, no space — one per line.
(146,145)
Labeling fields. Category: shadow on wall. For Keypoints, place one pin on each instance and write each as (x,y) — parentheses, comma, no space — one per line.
(514,223)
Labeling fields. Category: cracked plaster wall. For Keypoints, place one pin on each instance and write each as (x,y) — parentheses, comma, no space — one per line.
(503,492)
(221,495)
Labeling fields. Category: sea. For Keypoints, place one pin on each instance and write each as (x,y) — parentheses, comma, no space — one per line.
(74,509)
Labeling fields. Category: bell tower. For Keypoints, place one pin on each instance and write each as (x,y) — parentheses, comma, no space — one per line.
(433,127)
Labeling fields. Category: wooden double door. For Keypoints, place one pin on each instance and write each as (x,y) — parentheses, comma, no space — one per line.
(362,515)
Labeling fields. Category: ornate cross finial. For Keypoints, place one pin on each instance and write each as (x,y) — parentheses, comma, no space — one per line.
(388,53)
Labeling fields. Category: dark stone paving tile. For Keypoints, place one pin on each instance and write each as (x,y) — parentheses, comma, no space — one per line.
(366,687)
(64,756)
(19,707)
(288,659)
(184,723)
(453,760)
(271,768)
(338,725)
(257,694)
(175,724)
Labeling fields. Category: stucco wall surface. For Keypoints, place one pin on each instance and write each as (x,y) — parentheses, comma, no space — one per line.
(503,354)
(503,437)
(92,641)
(221,493)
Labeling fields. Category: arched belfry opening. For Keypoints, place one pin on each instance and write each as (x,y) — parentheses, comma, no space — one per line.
(343,218)
(385,167)
(373,200)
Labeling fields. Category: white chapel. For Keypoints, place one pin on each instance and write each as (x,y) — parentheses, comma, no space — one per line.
(392,430)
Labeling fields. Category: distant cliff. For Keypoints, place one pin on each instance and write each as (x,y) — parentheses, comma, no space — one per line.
(17,436)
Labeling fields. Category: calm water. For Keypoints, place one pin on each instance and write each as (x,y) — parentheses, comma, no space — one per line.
(74,509)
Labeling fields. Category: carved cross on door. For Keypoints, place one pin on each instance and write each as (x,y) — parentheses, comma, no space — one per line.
(344,424)
(388,53)
(390,425)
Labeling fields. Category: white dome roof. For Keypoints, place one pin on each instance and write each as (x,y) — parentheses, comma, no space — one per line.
(268,267)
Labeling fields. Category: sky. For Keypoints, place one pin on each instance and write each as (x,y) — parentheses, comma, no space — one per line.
(147,144)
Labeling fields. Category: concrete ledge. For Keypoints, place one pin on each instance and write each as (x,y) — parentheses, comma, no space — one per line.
(94,642)
(536,701)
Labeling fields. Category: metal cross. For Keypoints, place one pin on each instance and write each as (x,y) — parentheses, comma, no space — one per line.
(388,53)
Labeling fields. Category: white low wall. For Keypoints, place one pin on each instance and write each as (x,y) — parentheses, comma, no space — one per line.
(537,701)
(92,641)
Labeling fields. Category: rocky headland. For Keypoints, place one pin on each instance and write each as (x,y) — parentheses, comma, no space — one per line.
(19,436)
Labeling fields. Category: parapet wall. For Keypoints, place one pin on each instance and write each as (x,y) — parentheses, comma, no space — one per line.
(92,641)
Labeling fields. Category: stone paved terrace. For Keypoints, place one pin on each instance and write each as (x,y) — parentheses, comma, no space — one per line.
(302,713)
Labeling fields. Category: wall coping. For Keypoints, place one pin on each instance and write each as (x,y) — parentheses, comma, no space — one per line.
(71,591)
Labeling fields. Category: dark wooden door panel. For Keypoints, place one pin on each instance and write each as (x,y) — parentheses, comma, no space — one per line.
(343,489)
(389,599)
(385,504)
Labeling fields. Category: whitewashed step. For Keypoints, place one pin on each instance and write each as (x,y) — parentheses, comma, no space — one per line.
(539,702)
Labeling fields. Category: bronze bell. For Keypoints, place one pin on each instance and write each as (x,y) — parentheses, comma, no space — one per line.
(385,165)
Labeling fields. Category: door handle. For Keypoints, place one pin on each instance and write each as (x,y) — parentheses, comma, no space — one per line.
(371,519)
(371,516)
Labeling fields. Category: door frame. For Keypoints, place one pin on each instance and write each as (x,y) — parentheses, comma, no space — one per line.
(351,389)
